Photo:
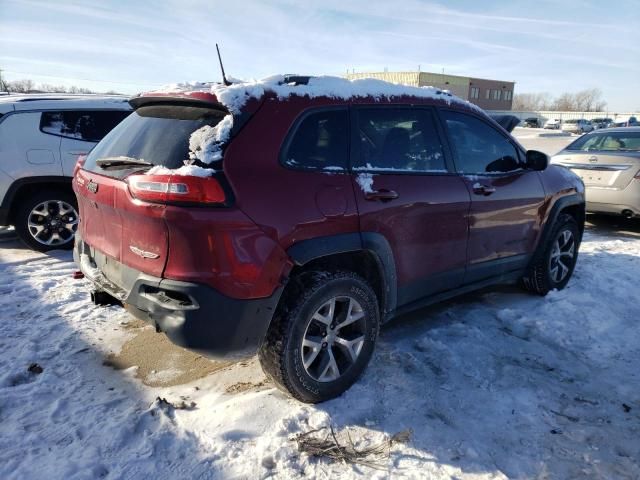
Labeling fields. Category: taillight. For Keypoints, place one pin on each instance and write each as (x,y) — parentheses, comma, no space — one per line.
(174,188)
(79,163)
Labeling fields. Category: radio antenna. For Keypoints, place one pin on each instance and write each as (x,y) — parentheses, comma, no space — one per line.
(224,77)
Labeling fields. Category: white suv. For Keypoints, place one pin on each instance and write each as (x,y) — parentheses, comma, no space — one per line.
(41,137)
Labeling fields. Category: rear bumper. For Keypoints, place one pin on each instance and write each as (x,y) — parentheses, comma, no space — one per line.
(607,200)
(192,315)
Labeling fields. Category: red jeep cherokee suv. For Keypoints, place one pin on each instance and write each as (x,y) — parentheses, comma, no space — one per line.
(293,216)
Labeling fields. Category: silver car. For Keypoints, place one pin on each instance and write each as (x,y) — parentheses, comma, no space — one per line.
(608,161)
(577,125)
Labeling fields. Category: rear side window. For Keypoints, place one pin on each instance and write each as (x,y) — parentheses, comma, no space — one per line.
(477,146)
(89,126)
(398,139)
(320,141)
(157,134)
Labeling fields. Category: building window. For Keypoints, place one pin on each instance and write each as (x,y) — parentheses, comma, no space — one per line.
(497,94)
(508,95)
(487,94)
(475,92)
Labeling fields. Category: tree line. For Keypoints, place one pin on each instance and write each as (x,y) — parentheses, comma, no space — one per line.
(589,100)
(29,86)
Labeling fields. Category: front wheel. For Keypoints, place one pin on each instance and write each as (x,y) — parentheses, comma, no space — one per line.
(322,336)
(47,220)
(555,260)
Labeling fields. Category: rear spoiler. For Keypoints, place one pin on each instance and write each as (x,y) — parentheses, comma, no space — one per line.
(508,122)
(202,101)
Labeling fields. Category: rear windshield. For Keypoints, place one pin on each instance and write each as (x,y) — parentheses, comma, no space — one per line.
(608,141)
(157,134)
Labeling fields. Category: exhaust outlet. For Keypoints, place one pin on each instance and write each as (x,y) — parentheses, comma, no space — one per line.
(627,214)
(100,297)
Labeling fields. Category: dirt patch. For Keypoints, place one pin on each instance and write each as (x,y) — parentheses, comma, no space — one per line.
(244,386)
(160,363)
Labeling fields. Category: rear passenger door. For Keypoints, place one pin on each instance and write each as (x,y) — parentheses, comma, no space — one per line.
(407,193)
(505,197)
(79,131)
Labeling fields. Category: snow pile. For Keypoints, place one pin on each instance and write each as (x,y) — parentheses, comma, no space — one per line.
(184,171)
(365,180)
(205,144)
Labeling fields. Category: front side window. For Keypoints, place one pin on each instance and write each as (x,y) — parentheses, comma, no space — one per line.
(478,147)
(88,126)
(320,142)
(398,139)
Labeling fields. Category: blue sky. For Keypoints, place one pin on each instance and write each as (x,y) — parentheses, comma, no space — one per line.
(130,46)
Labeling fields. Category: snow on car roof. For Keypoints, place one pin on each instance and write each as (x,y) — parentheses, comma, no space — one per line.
(236,95)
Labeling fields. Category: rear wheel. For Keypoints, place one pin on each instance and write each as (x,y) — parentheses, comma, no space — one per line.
(322,336)
(555,260)
(47,220)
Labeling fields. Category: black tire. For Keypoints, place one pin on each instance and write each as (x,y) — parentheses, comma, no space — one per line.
(24,213)
(282,353)
(545,273)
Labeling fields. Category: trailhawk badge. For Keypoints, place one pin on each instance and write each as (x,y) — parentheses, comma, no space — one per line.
(143,253)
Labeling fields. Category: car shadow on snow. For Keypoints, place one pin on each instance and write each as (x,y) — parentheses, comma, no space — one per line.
(64,412)
(503,381)
(613,225)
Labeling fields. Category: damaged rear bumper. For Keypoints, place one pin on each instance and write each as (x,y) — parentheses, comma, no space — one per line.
(192,315)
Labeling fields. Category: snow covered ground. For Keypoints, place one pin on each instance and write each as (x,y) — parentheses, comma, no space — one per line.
(498,384)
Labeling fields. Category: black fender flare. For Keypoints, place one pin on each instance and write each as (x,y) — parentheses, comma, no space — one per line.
(571,200)
(305,251)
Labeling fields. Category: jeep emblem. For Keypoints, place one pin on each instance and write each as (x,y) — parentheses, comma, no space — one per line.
(92,186)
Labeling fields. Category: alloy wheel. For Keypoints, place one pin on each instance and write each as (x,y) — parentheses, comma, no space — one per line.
(562,254)
(333,339)
(53,222)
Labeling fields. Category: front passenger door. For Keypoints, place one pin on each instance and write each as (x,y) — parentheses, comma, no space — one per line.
(506,199)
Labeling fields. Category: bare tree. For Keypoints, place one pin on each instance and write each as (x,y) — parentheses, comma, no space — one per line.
(20,86)
(531,101)
(589,100)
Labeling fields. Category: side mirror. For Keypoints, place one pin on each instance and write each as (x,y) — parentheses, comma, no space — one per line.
(537,160)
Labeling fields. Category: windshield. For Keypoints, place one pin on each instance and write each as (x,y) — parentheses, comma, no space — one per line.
(151,135)
(608,142)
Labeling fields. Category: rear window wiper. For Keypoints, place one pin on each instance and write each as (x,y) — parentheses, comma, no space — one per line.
(109,162)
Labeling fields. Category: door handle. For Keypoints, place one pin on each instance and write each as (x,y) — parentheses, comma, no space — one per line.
(382,195)
(485,190)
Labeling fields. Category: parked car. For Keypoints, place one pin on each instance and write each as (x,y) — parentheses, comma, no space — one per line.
(577,125)
(630,122)
(608,162)
(41,137)
(553,124)
(309,213)
(601,123)
(531,122)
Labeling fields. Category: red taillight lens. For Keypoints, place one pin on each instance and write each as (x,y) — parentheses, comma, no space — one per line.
(79,163)
(174,188)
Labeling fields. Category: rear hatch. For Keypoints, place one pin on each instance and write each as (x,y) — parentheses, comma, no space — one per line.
(116,225)
(604,159)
